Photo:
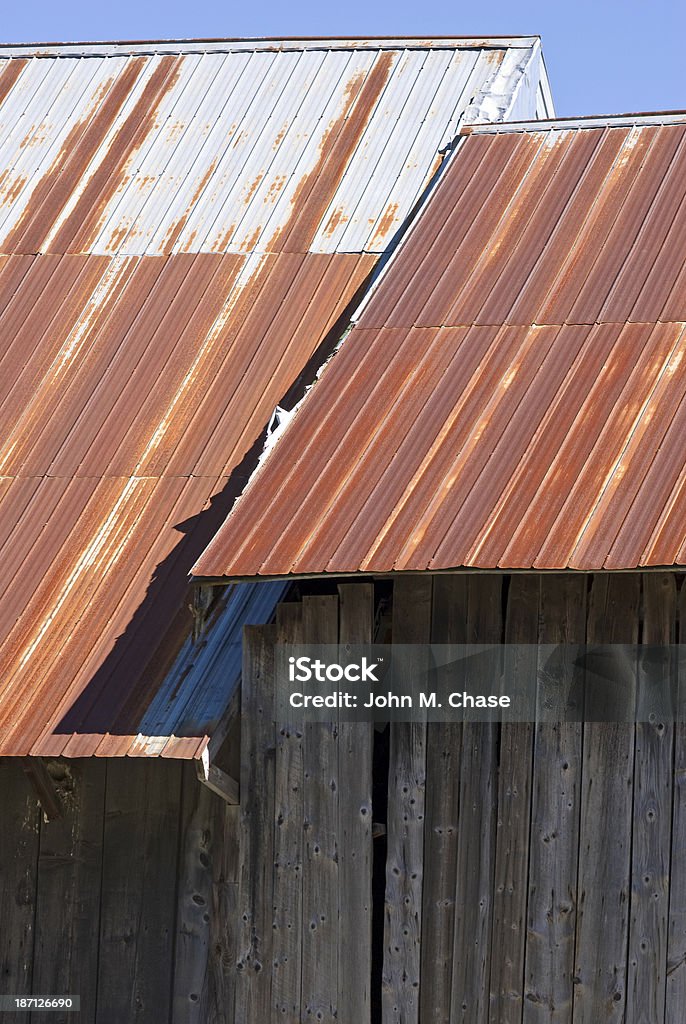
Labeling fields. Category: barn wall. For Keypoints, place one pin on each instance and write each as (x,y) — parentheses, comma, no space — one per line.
(520,874)
(529,873)
(127,900)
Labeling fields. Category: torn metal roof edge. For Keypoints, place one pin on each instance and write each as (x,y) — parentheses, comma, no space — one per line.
(658,117)
(122,47)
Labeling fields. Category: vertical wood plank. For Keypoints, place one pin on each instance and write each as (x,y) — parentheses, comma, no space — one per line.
(555,811)
(19,840)
(191,995)
(652,825)
(675,996)
(443,751)
(355,757)
(602,931)
(254,964)
(224,923)
(514,807)
(320,869)
(406,800)
(69,878)
(476,842)
(288,846)
(138,904)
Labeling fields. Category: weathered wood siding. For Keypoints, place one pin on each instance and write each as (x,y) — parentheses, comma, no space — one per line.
(128,900)
(534,872)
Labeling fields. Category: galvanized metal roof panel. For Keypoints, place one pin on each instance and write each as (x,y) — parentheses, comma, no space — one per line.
(193,150)
(264,43)
(513,395)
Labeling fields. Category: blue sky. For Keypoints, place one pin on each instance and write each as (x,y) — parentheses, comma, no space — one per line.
(603,57)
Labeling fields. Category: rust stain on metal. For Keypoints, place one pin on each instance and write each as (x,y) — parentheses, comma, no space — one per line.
(252,188)
(59,182)
(275,188)
(223,243)
(175,230)
(438,162)
(251,241)
(315,189)
(16,188)
(80,228)
(279,138)
(460,424)
(11,72)
(118,237)
(339,216)
(385,224)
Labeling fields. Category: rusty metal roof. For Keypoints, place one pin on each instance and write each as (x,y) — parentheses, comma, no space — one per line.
(131,390)
(182,229)
(513,395)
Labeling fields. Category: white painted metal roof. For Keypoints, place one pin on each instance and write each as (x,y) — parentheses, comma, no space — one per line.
(222,154)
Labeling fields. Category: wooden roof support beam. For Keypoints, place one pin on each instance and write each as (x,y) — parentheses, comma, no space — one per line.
(44,786)
(220,782)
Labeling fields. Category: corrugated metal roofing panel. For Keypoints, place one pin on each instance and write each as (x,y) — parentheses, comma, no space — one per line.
(132,388)
(150,152)
(514,393)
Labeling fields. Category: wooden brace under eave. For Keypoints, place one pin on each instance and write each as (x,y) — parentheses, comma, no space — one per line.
(220,782)
(44,786)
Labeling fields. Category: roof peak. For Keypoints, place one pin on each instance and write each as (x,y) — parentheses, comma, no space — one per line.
(105,48)
(659,117)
